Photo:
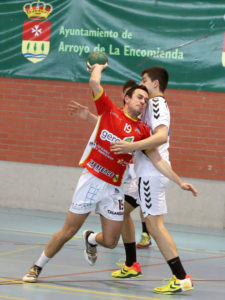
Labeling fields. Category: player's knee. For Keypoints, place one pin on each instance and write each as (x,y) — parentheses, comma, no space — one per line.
(156,230)
(69,233)
(111,244)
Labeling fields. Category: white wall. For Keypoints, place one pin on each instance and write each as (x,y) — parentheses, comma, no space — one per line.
(44,187)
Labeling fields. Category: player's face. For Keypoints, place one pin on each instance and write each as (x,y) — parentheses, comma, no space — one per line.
(137,103)
(148,83)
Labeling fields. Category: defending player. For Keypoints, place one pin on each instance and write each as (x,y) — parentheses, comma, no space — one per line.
(152,185)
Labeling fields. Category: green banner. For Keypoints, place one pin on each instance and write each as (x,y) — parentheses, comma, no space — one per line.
(52,39)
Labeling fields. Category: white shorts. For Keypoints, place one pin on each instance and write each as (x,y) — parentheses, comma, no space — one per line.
(94,194)
(152,195)
(131,189)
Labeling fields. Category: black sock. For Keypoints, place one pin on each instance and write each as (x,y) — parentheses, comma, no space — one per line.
(130,250)
(144,228)
(177,268)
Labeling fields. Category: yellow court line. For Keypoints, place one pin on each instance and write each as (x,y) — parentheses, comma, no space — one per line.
(35,232)
(13,298)
(19,250)
(81,290)
(10,280)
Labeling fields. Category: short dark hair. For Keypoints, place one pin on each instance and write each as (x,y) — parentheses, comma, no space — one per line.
(130,92)
(129,84)
(158,73)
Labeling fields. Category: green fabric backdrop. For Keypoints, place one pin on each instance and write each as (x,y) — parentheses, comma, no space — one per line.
(186,37)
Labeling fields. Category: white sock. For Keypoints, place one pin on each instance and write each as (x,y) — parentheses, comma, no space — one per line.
(91,239)
(43,259)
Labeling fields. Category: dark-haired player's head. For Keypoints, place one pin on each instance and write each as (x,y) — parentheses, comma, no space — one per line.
(155,79)
(136,99)
(128,85)
(131,90)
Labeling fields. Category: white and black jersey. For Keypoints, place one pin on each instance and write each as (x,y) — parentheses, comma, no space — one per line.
(156,113)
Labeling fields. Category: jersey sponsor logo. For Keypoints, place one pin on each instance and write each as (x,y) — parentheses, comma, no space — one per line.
(81,206)
(101,150)
(129,139)
(122,162)
(93,145)
(99,169)
(108,136)
(138,130)
(118,213)
(116,178)
(127,128)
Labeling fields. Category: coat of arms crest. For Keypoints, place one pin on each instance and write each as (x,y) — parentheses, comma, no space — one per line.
(36,33)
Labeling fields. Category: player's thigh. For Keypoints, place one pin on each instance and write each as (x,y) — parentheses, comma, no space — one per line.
(111,230)
(73,223)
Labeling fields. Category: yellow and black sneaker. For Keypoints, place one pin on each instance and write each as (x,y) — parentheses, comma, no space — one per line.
(145,241)
(128,272)
(176,286)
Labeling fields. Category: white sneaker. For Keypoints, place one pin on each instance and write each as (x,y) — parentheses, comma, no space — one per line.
(32,274)
(90,252)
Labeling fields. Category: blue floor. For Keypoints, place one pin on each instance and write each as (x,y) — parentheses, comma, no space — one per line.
(24,234)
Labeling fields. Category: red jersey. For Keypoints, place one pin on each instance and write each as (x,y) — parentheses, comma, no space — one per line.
(112,125)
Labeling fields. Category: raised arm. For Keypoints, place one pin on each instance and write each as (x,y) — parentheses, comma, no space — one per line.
(95,84)
(95,78)
(163,167)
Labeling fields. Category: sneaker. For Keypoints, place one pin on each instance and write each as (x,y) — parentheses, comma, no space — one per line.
(32,274)
(128,272)
(145,241)
(90,252)
(176,286)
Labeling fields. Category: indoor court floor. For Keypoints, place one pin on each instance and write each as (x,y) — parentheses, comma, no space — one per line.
(24,233)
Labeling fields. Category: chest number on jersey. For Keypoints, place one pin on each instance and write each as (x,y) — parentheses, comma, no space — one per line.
(127,128)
